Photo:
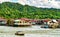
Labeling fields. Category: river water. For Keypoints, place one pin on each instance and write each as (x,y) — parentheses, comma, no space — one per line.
(33,31)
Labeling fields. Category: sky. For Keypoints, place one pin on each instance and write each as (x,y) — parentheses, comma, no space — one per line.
(37,3)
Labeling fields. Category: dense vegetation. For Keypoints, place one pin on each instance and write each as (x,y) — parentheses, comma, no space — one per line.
(15,10)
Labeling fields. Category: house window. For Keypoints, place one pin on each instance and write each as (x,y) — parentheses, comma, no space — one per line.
(20,21)
(57,0)
(25,22)
(49,0)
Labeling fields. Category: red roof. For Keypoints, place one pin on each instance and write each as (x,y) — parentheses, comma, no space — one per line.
(25,19)
(45,20)
(33,20)
(2,19)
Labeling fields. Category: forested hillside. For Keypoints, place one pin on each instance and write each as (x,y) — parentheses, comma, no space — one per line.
(16,10)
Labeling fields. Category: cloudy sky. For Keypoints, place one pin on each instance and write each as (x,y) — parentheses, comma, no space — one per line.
(37,3)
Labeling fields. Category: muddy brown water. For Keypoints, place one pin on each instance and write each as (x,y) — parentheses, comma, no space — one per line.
(34,31)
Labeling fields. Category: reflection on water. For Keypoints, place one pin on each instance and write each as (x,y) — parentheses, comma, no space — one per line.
(34,31)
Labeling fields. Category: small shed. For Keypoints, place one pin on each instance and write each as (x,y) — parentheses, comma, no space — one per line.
(53,23)
(3,21)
